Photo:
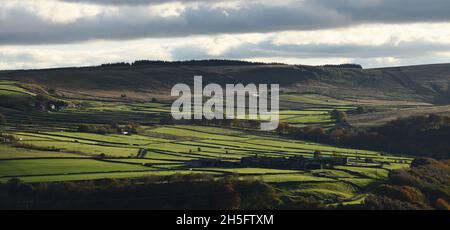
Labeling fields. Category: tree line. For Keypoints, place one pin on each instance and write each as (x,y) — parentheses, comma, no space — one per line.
(209,62)
(344,66)
(113,128)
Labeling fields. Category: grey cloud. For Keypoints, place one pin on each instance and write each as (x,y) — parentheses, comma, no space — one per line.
(405,53)
(17,57)
(390,10)
(267,49)
(23,27)
(19,26)
(130,2)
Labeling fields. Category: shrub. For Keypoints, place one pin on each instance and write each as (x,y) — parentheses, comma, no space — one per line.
(98,129)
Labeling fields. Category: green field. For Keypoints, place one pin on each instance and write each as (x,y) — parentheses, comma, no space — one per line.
(11,88)
(50,148)
(170,147)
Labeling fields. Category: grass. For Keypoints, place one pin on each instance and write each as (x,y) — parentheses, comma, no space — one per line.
(143,161)
(9,88)
(167,156)
(393,166)
(332,173)
(17,168)
(327,192)
(360,182)
(8,152)
(111,138)
(96,176)
(181,132)
(244,171)
(374,173)
(306,119)
(171,146)
(294,177)
(85,148)
(315,99)
(212,130)
(212,142)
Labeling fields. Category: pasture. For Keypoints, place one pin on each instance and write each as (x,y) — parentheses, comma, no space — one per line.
(49,147)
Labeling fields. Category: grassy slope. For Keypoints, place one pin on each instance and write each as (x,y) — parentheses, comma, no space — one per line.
(427,83)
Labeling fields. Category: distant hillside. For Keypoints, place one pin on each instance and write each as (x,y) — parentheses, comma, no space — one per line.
(383,117)
(427,83)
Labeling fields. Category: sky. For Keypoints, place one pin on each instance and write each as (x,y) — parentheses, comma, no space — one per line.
(373,33)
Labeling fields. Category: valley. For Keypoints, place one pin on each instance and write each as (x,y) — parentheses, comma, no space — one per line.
(97,123)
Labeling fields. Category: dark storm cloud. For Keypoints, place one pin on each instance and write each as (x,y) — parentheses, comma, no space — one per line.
(21,26)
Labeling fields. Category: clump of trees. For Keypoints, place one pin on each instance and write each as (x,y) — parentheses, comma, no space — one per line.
(424,186)
(339,116)
(98,129)
(362,110)
(7,138)
(25,102)
(344,66)
(113,128)
(196,191)
(117,64)
(45,103)
(130,128)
